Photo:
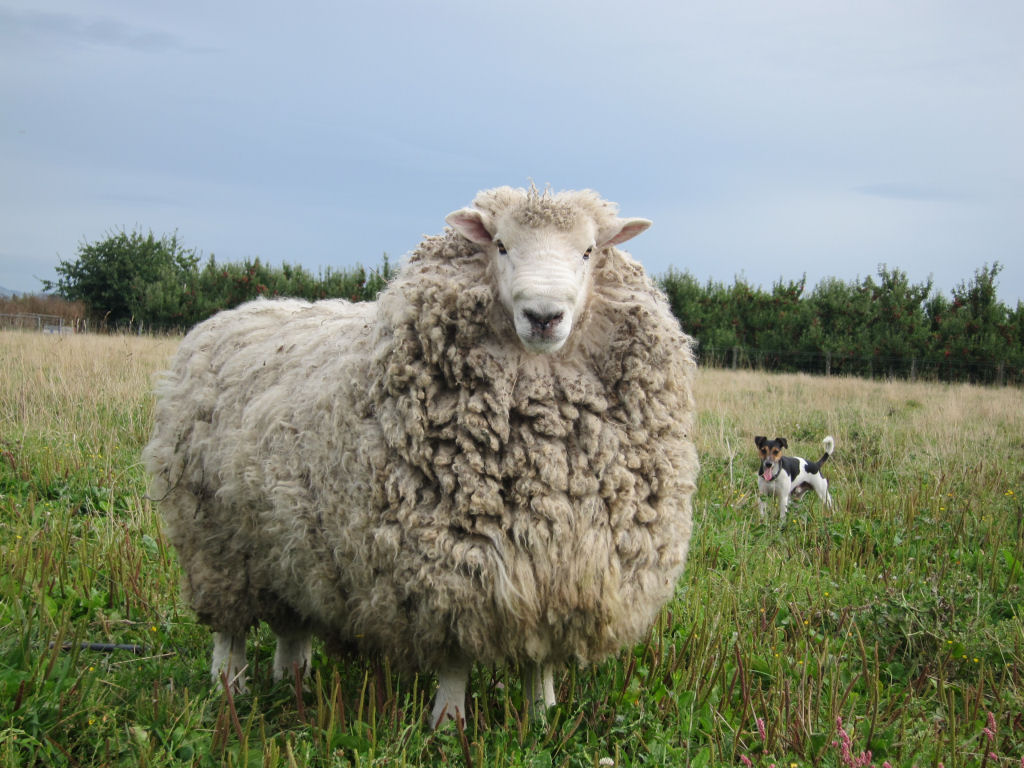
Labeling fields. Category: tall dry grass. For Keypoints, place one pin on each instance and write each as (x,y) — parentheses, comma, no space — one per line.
(76,397)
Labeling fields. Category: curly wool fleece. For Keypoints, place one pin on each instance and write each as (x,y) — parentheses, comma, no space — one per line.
(404,477)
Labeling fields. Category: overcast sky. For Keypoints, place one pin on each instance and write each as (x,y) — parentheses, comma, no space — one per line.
(766,140)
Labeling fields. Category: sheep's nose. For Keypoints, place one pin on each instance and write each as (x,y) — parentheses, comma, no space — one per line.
(542,322)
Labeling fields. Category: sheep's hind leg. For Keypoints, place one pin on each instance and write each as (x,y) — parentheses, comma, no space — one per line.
(229,658)
(538,686)
(450,701)
(293,649)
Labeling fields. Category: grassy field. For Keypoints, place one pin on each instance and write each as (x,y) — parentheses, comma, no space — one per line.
(891,624)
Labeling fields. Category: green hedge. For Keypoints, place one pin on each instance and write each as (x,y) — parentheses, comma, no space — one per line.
(880,326)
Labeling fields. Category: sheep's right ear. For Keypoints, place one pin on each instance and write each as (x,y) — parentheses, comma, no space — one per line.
(470,224)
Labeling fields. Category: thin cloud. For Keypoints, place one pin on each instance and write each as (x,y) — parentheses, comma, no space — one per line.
(898,190)
(23,26)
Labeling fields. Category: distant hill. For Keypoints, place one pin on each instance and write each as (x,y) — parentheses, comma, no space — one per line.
(6,293)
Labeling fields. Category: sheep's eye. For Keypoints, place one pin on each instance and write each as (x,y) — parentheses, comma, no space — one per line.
(586,253)
(501,247)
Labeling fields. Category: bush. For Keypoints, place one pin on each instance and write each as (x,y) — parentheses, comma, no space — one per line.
(128,279)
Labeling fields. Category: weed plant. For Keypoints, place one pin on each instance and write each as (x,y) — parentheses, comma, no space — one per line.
(887,630)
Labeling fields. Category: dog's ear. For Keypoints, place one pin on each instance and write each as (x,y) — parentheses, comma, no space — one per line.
(782,441)
(760,440)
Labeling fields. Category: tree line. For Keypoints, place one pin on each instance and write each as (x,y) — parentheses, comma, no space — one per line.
(882,325)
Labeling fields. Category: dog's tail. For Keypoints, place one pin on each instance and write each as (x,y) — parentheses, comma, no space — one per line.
(830,447)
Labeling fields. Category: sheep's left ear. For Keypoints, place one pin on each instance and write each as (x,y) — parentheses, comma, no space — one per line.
(621,231)
(470,224)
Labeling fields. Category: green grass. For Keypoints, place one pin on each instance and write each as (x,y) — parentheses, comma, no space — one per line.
(891,624)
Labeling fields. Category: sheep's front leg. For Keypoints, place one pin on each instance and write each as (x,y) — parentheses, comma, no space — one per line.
(293,649)
(229,657)
(538,686)
(450,701)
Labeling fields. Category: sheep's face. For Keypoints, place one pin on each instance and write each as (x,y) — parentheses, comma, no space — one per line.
(543,270)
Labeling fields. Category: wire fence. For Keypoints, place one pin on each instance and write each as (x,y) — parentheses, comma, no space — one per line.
(35,322)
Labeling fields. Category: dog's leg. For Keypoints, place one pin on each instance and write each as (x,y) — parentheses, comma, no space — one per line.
(783,487)
(763,491)
(782,490)
(825,496)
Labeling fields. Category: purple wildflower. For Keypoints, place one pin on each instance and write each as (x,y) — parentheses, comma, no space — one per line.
(990,731)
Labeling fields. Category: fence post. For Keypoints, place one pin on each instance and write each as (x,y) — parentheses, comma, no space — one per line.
(828,363)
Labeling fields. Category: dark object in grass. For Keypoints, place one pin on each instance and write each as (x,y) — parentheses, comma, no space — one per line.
(138,650)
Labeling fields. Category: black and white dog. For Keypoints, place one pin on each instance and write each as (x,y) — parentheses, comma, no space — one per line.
(788,477)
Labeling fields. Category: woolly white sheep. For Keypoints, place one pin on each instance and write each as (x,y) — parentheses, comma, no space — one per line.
(493,462)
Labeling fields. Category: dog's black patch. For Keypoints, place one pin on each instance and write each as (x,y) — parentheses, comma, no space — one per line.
(813,467)
(790,465)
